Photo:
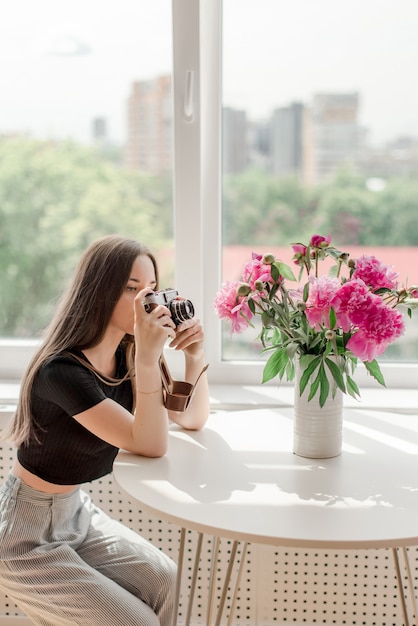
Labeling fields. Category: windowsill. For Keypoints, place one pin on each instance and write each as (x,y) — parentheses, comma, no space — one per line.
(241,397)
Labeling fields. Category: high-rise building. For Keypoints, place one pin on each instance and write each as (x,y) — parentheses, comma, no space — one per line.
(398,157)
(149,145)
(99,130)
(332,136)
(234,141)
(286,149)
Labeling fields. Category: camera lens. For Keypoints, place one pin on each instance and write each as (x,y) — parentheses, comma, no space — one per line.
(181,310)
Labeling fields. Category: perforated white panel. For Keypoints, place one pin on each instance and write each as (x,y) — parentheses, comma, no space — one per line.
(276,586)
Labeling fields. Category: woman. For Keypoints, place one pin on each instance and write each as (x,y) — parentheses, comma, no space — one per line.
(62,560)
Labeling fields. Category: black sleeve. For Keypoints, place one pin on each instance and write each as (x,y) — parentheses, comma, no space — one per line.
(69,385)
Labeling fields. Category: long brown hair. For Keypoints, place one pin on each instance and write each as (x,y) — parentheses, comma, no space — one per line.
(82,316)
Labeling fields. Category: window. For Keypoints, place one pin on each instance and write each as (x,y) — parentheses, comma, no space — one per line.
(86,146)
(226,57)
(319,134)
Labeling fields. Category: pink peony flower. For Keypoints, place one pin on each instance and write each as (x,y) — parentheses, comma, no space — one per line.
(380,327)
(255,271)
(296,294)
(377,324)
(299,253)
(318,305)
(375,274)
(228,305)
(319,241)
(350,302)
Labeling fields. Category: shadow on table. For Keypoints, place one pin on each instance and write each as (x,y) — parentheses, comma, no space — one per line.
(210,470)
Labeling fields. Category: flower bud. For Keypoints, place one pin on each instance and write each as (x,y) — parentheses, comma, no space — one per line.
(243,290)
(301,306)
(351,263)
(319,241)
(329,335)
(268,259)
(259,285)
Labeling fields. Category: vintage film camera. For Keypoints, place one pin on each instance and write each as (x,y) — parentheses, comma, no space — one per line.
(181,310)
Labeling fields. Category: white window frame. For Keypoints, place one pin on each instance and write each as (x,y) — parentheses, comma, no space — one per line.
(197,171)
(197,72)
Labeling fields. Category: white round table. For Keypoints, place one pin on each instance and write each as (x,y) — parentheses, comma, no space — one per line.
(238,479)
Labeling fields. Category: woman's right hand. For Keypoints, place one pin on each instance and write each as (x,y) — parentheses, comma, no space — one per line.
(151,329)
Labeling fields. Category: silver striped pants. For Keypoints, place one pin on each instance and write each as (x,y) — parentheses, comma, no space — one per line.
(64,562)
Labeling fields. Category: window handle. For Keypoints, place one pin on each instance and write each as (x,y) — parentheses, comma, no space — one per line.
(188,96)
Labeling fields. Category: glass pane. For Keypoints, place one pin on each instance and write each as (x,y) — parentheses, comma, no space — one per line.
(85,142)
(320,135)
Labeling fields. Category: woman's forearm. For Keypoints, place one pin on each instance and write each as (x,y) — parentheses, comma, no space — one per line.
(150,426)
(196,415)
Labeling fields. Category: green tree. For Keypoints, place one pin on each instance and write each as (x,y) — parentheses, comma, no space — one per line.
(261,209)
(55,199)
(399,210)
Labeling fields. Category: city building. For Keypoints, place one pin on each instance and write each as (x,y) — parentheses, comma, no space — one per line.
(149,145)
(397,158)
(286,140)
(234,141)
(332,135)
(99,130)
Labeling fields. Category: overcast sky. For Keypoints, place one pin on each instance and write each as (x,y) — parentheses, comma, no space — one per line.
(63,63)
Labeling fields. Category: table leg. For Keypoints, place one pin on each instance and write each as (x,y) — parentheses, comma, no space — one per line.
(411,583)
(194,579)
(239,574)
(227,582)
(399,578)
(180,562)
(212,579)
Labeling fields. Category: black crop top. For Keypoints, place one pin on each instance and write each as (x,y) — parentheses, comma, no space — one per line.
(68,453)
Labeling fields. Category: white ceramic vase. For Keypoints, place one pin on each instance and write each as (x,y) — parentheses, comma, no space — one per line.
(317,431)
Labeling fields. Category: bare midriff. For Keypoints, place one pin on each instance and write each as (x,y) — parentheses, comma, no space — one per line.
(38,483)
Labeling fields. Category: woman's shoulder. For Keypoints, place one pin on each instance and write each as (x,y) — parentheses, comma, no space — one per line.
(73,362)
(63,364)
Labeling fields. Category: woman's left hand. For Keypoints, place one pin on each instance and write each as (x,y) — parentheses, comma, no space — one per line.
(189,337)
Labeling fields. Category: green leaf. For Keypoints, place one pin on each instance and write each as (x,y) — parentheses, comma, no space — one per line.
(274,272)
(332,318)
(352,388)
(336,374)
(266,319)
(291,349)
(273,291)
(275,365)
(314,388)
(307,373)
(251,305)
(285,270)
(290,371)
(324,386)
(328,348)
(374,369)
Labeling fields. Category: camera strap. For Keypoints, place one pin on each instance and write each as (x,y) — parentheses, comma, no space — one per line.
(177,394)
